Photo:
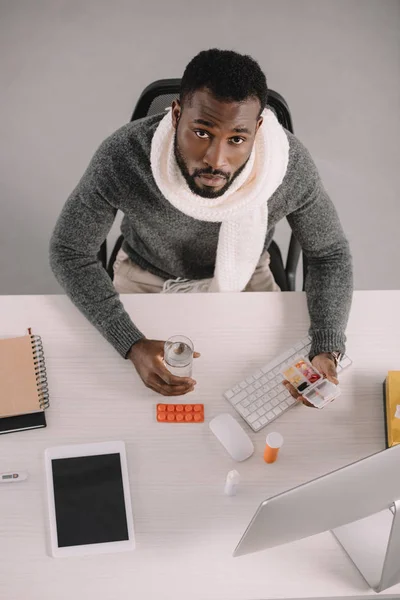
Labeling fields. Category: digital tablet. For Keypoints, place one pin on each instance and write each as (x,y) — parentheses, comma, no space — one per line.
(89,500)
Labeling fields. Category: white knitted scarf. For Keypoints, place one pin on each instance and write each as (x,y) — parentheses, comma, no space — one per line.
(242,210)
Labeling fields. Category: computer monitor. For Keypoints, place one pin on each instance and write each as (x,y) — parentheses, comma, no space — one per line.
(360,503)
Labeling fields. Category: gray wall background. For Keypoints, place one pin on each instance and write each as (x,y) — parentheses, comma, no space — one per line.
(71,72)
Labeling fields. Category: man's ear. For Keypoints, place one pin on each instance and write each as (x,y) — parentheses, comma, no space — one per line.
(176,111)
(259,123)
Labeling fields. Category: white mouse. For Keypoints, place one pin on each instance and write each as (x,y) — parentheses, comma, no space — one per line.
(234,439)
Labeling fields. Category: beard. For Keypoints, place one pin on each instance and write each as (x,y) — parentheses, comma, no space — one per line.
(191,178)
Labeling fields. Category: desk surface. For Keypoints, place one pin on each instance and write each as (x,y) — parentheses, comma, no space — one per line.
(186,528)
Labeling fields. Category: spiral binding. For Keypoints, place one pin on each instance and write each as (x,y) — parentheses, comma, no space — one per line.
(40,371)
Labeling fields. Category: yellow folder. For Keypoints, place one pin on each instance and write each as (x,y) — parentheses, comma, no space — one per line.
(392,401)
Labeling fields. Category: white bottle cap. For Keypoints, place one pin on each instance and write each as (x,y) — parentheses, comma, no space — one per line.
(274,440)
(233,477)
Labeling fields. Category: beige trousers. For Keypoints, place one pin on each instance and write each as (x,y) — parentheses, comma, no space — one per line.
(129,278)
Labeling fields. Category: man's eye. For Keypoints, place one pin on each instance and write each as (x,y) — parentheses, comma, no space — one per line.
(237,141)
(203,135)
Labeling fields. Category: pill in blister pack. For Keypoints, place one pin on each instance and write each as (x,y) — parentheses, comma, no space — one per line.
(180,413)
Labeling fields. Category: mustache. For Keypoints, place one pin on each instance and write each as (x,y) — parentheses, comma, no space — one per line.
(210,171)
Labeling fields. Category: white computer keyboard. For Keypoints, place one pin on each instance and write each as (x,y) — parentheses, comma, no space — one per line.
(261,397)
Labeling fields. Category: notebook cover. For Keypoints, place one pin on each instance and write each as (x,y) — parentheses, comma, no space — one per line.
(23,422)
(18,385)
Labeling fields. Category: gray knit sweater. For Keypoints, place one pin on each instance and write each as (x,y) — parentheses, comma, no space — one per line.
(166,242)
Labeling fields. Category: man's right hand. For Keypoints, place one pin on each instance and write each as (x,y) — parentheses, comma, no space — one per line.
(147,357)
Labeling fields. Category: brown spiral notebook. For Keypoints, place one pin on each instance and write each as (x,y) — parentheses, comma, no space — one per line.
(24,391)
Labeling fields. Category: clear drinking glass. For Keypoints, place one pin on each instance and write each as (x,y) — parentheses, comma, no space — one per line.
(178,355)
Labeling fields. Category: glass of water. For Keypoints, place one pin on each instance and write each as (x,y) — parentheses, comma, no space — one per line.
(178,355)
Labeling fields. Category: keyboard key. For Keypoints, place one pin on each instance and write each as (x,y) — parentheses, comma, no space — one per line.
(251,389)
(245,402)
(270,415)
(243,384)
(256,425)
(284,405)
(239,397)
(291,401)
(274,402)
(259,394)
(250,379)
(272,394)
(228,395)
(253,417)
(286,355)
(252,397)
(259,403)
(261,411)
(277,410)
(263,420)
(265,388)
(285,366)
(243,411)
(236,389)
(263,380)
(268,406)
(257,385)
(252,407)
(258,374)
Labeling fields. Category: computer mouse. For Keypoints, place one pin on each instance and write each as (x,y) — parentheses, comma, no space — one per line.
(234,439)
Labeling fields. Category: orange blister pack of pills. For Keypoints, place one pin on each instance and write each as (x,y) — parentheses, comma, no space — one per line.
(180,413)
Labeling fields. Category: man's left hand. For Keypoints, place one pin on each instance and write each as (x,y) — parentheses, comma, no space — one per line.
(325,364)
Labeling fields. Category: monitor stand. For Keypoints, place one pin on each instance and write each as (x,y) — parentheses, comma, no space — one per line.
(373,544)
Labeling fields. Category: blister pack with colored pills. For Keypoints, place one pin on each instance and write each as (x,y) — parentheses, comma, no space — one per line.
(310,383)
(180,413)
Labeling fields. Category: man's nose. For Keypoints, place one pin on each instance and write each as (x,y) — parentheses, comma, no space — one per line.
(215,156)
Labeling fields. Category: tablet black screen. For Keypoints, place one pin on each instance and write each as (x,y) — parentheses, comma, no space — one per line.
(89,500)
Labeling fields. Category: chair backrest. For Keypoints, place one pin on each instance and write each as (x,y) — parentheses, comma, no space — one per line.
(159,95)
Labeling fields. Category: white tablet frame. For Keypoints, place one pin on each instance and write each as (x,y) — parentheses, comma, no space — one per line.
(95,449)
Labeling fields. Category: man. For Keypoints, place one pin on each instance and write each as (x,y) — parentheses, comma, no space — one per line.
(201,188)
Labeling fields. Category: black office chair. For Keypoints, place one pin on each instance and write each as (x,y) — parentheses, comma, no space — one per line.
(154,100)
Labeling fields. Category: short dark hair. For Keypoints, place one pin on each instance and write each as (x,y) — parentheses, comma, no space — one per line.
(229,76)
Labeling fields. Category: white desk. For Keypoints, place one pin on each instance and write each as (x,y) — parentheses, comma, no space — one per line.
(186,528)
